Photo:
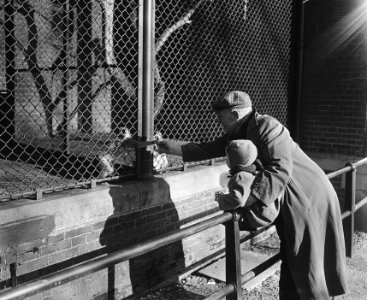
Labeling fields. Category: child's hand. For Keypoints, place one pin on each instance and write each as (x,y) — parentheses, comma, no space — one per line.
(218,195)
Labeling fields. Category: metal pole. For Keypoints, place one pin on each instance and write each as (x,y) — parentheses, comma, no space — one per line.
(148,85)
(233,257)
(144,157)
(350,202)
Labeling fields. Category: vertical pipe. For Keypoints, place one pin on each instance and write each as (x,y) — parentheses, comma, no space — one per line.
(140,68)
(350,201)
(295,106)
(148,42)
(64,58)
(233,257)
(8,105)
(144,158)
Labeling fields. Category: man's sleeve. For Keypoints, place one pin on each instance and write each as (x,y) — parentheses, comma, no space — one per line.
(275,152)
(203,151)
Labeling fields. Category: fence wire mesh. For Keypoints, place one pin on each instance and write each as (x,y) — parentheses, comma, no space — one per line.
(71,70)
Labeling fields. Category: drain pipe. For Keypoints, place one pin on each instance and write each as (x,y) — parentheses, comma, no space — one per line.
(300,11)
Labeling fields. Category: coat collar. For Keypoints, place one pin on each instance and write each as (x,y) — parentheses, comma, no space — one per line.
(241,130)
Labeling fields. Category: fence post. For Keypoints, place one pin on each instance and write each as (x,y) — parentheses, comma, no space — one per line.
(144,158)
(13,274)
(350,202)
(233,257)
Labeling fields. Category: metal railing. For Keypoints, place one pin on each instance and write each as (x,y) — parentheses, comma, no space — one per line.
(234,278)
(350,200)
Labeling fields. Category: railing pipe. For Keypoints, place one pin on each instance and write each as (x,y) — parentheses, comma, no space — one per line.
(89,267)
(360,162)
(345,214)
(227,290)
(350,201)
(360,204)
(339,172)
(347,168)
(233,257)
(246,277)
(260,268)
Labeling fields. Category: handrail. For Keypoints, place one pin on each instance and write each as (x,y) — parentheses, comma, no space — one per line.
(233,266)
(89,267)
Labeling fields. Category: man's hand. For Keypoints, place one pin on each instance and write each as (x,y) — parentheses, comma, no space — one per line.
(169,148)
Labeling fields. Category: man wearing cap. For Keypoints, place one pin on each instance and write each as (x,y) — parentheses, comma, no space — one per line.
(309,223)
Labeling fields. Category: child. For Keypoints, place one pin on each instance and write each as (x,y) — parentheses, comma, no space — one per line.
(241,159)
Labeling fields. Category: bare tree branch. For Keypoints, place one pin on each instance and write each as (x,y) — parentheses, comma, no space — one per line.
(158,83)
(28,12)
(184,20)
(168,32)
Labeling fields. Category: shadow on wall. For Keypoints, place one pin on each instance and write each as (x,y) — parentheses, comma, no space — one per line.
(152,213)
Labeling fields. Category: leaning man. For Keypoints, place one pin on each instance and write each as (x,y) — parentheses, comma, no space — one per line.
(309,224)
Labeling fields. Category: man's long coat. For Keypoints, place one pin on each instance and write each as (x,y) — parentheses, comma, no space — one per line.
(313,238)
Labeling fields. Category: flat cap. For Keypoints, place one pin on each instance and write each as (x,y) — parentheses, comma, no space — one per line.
(237,99)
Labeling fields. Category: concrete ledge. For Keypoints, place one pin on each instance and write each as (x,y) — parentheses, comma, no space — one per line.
(80,206)
(195,180)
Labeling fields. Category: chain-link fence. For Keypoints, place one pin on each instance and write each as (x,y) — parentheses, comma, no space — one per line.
(71,75)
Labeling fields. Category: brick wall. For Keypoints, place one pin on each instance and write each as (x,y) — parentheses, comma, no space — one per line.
(335,78)
(333,111)
(63,230)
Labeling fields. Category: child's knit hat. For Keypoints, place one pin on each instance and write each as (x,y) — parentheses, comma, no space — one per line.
(241,153)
